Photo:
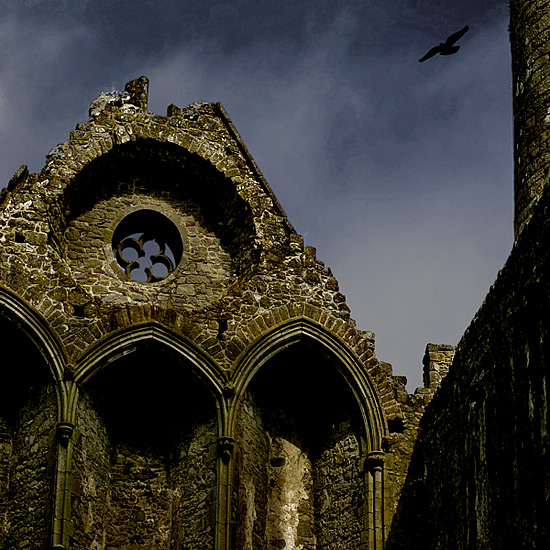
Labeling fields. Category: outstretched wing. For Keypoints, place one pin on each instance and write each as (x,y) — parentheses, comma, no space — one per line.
(434,51)
(456,36)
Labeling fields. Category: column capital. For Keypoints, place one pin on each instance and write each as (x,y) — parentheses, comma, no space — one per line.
(64,431)
(375,461)
(225,448)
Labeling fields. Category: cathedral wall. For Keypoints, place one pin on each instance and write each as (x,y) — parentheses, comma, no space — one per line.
(203,275)
(90,472)
(480,471)
(178,440)
(249,498)
(6,446)
(144,464)
(300,482)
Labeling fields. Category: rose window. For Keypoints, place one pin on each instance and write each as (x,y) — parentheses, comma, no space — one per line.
(147,246)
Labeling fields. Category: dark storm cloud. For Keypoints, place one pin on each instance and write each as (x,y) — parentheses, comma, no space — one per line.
(398,172)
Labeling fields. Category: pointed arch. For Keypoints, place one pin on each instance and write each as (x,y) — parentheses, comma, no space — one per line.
(128,340)
(152,397)
(347,364)
(46,340)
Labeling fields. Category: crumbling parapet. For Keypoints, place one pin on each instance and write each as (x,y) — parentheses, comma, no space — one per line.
(438,358)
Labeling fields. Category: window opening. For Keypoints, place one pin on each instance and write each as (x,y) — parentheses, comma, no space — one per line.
(147,246)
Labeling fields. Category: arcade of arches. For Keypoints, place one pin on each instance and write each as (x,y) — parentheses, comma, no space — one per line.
(179,371)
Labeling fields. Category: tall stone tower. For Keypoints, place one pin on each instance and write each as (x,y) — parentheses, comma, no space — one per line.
(529,28)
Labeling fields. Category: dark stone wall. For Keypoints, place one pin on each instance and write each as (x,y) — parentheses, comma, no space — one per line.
(27,473)
(144,460)
(249,497)
(340,493)
(5,459)
(89,479)
(480,472)
(529,25)
(28,418)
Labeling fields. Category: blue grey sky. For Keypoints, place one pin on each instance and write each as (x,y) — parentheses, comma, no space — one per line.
(398,172)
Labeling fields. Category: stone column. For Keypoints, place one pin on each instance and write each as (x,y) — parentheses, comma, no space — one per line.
(374,466)
(225,475)
(62,526)
(529,26)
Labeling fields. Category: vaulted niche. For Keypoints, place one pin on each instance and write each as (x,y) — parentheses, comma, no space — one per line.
(301,448)
(28,417)
(165,171)
(145,456)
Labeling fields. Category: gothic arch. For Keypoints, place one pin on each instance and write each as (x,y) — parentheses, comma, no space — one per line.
(348,366)
(154,404)
(127,340)
(28,320)
(34,405)
(307,423)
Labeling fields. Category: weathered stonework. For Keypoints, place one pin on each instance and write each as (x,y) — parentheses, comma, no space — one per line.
(479,475)
(212,389)
(437,361)
(180,371)
(529,26)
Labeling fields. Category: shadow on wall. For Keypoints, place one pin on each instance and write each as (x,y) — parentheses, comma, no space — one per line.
(480,472)
(28,418)
(300,439)
(145,454)
(164,170)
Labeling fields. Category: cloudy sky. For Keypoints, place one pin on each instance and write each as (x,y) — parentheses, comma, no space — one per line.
(398,172)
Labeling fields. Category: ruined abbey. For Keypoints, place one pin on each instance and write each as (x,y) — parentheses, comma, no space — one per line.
(180,372)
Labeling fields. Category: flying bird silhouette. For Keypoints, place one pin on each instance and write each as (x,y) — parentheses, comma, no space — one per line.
(447,47)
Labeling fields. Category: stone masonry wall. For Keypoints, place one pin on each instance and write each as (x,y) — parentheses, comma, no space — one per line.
(437,361)
(31,473)
(340,493)
(127,497)
(300,481)
(245,282)
(5,460)
(89,479)
(479,476)
(529,26)
(249,498)
(203,276)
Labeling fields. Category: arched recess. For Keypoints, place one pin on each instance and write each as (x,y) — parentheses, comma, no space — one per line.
(43,337)
(345,362)
(166,171)
(307,422)
(32,400)
(144,450)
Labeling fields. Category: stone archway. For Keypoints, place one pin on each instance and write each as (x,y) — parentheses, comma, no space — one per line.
(144,452)
(28,420)
(304,445)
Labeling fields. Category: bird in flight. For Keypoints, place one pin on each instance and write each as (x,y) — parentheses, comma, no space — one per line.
(447,47)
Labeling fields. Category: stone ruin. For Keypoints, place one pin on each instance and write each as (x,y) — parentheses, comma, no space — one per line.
(180,372)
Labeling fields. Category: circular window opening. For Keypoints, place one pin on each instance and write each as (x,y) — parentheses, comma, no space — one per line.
(147,246)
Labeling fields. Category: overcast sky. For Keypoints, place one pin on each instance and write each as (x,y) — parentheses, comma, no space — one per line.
(398,172)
